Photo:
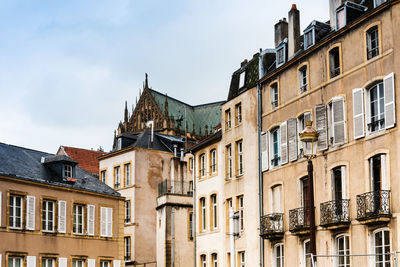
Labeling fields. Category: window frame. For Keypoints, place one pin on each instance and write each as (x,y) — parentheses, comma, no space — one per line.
(127,173)
(228,118)
(329,51)
(103,176)
(346,251)
(214,211)
(214,259)
(68,171)
(203,260)
(368,41)
(312,31)
(75,216)
(13,257)
(303,87)
(213,161)
(279,261)
(240,206)
(127,248)
(229,169)
(306,255)
(241,258)
(238,113)
(274,95)
(275,156)
(117,176)
(202,165)
(369,122)
(374,248)
(240,157)
(44,261)
(12,218)
(203,214)
(242,79)
(128,211)
(45,211)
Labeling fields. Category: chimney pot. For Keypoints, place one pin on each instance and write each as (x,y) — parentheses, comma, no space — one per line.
(281,31)
(294,6)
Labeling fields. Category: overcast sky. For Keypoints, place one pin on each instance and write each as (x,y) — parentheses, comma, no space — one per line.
(66,67)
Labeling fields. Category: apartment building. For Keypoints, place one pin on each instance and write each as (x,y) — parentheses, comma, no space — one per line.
(342,75)
(53,213)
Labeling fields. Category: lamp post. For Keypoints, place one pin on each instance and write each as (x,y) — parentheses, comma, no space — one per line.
(309,137)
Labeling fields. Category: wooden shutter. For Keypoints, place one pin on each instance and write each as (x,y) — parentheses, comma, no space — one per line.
(385,181)
(116,263)
(358,113)
(90,219)
(284,143)
(299,193)
(344,182)
(62,262)
(109,222)
(320,115)
(62,213)
(91,263)
(390,103)
(307,117)
(264,152)
(338,121)
(30,213)
(292,136)
(103,221)
(271,149)
(31,261)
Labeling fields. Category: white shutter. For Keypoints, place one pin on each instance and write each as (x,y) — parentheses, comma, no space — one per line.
(90,219)
(103,221)
(62,262)
(271,150)
(109,222)
(308,148)
(344,182)
(264,152)
(62,213)
(338,121)
(385,182)
(320,115)
(284,143)
(116,263)
(91,263)
(390,103)
(30,213)
(292,136)
(299,193)
(31,261)
(358,113)
(0,256)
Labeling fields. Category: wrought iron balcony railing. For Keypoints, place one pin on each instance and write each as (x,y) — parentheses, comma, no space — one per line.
(299,219)
(272,225)
(335,212)
(175,187)
(373,205)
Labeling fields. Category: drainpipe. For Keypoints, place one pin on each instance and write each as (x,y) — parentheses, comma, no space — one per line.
(194,209)
(260,174)
(173,236)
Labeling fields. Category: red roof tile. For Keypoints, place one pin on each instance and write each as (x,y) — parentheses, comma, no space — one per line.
(87,159)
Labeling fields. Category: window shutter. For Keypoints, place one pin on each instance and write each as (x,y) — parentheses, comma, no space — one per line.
(116,263)
(109,222)
(284,143)
(31,261)
(358,113)
(299,193)
(0,256)
(62,262)
(264,152)
(30,213)
(292,136)
(339,128)
(320,114)
(90,219)
(91,263)
(307,117)
(385,183)
(62,213)
(103,221)
(271,149)
(390,110)
(344,182)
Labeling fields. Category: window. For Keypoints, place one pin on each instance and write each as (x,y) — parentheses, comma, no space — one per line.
(306,254)
(238,111)
(381,241)
(214,259)
(15,211)
(127,211)
(379,2)
(228,206)
(334,62)
(241,213)
(301,125)
(342,245)
(203,260)
(304,197)
(242,79)
(203,214)
(48,262)
(228,118)
(309,38)
(106,220)
(378,179)
(338,175)
(202,165)
(127,172)
(191,164)
(303,79)
(340,18)
(214,211)
(78,263)
(191,233)
(278,255)
(239,149)
(276,197)
(78,215)
(213,161)
(280,55)
(117,178)
(105,263)
(15,261)
(229,162)
(190,188)
(274,147)
(372,42)
(67,170)
(274,95)
(336,121)
(127,241)
(242,260)
(103,176)
(376,108)
(48,216)
(119,143)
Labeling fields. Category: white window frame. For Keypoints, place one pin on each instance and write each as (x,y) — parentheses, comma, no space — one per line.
(303,86)
(203,260)
(242,79)
(127,171)
(191,164)
(373,245)
(228,118)
(103,175)
(278,260)
(117,177)
(78,263)
(214,210)
(345,252)
(343,181)
(274,95)
(203,165)
(214,259)
(305,254)
(274,153)
(242,259)
(312,31)
(47,215)
(105,263)
(213,161)
(119,143)
(240,157)
(78,219)
(203,214)
(13,218)
(13,259)
(127,248)
(229,152)
(127,211)
(241,213)
(368,107)
(48,262)
(239,112)
(374,28)
(68,170)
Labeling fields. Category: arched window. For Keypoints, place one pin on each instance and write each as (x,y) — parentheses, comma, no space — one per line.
(278,255)
(381,247)
(203,260)
(306,255)
(342,249)
(203,214)
(372,36)
(214,211)
(214,259)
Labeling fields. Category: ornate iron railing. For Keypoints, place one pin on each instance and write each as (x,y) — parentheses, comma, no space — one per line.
(373,204)
(335,212)
(272,224)
(298,219)
(175,187)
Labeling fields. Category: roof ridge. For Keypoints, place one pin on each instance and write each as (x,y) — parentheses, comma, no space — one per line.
(91,150)
(26,148)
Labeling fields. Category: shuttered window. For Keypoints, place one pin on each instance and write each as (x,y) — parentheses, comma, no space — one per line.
(48,215)
(336,119)
(274,142)
(30,213)
(284,143)
(390,111)
(90,219)
(358,113)
(292,138)
(106,218)
(78,222)
(62,212)
(15,211)
(264,151)
(301,125)
(320,114)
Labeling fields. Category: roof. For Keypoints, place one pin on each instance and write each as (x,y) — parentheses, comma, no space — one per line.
(201,115)
(207,141)
(25,164)
(87,159)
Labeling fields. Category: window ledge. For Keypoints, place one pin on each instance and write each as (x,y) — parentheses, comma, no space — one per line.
(373,135)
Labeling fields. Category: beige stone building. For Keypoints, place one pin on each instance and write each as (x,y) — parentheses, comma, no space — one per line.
(343,75)
(53,213)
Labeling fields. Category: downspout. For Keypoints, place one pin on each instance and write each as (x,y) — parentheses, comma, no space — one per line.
(194,209)
(173,236)
(260,174)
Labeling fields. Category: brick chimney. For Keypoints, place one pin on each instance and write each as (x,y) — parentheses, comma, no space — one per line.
(281,31)
(294,31)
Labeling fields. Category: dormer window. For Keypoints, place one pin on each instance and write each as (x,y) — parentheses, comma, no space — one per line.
(241,79)
(280,56)
(119,143)
(378,2)
(347,13)
(309,39)
(67,170)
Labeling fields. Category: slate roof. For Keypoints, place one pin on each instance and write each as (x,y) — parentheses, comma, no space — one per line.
(200,115)
(25,164)
(87,159)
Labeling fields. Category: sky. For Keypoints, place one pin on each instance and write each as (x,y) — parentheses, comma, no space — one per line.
(67,67)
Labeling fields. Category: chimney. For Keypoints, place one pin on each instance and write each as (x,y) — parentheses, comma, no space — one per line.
(281,31)
(294,31)
(244,62)
(333,5)
(175,150)
(182,154)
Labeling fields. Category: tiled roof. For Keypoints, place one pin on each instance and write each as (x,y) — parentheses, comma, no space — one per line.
(87,159)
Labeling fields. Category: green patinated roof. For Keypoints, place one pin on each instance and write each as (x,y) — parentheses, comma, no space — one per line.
(201,115)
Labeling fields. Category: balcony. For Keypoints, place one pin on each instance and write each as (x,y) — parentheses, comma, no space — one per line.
(272,226)
(174,187)
(335,214)
(373,207)
(299,222)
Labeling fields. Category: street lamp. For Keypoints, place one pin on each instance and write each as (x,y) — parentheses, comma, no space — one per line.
(309,137)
